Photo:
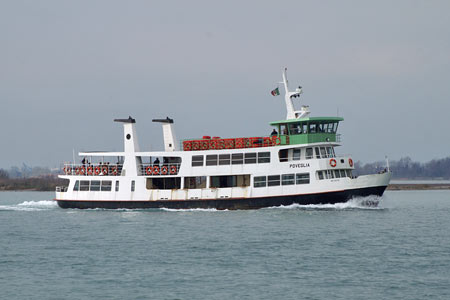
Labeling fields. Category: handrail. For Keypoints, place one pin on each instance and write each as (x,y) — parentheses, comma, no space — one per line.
(233,143)
(92,169)
(164,169)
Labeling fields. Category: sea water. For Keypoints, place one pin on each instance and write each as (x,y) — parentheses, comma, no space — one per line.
(400,250)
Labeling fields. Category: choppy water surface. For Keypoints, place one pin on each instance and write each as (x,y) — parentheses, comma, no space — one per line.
(400,250)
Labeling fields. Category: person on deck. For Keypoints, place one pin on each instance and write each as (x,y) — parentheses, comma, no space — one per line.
(274,132)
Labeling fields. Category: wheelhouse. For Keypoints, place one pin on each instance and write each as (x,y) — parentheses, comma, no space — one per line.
(308,130)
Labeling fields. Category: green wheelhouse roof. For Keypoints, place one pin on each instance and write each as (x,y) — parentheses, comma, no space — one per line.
(308,119)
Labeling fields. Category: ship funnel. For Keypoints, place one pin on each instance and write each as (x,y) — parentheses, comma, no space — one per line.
(170,141)
(131,145)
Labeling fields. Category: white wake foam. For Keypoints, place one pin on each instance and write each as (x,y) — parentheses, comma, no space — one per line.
(31,206)
(192,209)
(370,202)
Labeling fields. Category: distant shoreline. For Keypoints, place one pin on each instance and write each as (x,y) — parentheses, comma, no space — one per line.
(418,186)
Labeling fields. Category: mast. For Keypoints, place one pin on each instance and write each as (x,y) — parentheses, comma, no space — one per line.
(291,113)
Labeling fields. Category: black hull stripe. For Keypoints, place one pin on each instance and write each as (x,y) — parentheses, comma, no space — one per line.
(230,203)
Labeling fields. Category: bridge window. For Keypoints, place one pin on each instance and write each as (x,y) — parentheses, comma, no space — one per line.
(312,128)
(197,161)
(294,128)
(198,182)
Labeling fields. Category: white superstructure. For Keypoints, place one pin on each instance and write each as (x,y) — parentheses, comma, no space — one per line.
(298,164)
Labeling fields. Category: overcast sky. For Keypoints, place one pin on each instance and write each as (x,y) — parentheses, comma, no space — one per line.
(68,68)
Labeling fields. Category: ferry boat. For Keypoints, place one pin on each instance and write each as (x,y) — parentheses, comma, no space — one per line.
(296,164)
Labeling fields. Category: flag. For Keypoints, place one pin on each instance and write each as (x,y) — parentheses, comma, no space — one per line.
(275,92)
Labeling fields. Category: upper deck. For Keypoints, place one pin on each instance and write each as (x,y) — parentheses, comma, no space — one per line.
(288,132)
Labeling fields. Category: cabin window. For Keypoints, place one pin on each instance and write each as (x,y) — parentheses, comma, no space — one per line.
(260,181)
(337,174)
(198,182)
(302,178)
(197,161)
(317,152)
(250,158)
(349,173)
(330,152)
(168,183)
(224,159)
(237,159)
(296,154)
(230,181)
(117,185)
(76,186)
(95,185)
(323,152)
(312,128)
(283,155)
(263,157)
(342,173)
(320,175)
(273,180)
(84,185)
(287,179)
(331,174)
(211,160)
(106,185)
(133,185)
(309,153)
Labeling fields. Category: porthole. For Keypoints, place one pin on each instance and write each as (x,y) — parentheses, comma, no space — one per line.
(128,136)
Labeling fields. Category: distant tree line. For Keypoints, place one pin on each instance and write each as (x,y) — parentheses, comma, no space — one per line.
(409,169)
(27,172)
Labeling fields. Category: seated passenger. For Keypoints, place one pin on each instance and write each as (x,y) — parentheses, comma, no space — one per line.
(274,132)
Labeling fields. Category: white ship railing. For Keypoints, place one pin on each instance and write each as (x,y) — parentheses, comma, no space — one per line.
(159,169)
(92,169)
